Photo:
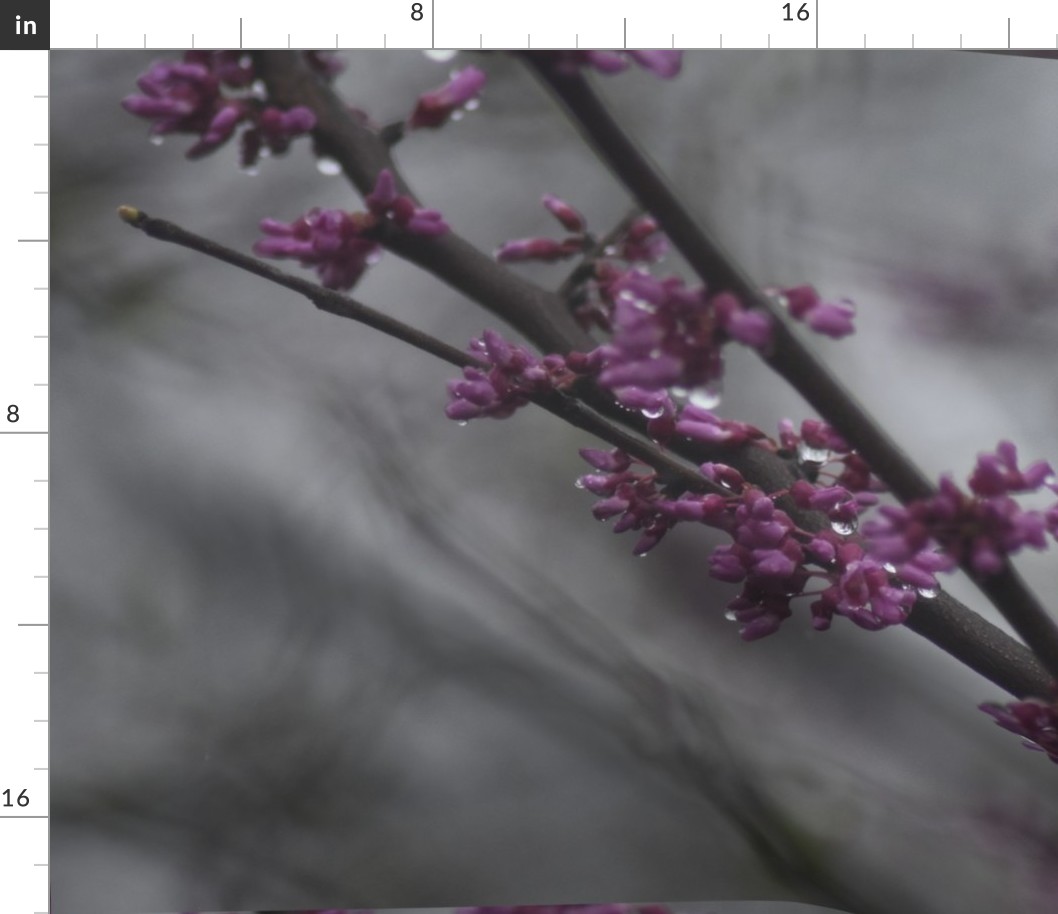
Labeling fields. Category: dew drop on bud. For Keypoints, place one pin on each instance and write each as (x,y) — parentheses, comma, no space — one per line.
(457,115)
(654,412)
(440,56)
(707,397)
(843,527)
(730,616)
(250,170)
(328,166)
(579,484)
(157,140)
(928,593)
(462,423)
(808,454)
(890,567)
(473,104)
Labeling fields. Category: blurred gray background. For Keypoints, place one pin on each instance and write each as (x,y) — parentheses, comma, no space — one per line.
(315,645)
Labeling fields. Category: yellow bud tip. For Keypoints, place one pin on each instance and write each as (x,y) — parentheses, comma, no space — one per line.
(130,214)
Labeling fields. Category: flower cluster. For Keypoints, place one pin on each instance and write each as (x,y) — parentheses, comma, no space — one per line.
(981,528)
(666,64)
(513,375)
(770,555)
(459,94)
(341,245)
(212,94)
(666,336)
(1034,719)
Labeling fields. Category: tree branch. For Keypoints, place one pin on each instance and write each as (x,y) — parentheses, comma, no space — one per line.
(944,621)
(789,357)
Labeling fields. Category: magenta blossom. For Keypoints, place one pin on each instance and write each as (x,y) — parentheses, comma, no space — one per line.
(981,529)
(341,245)
(1034,719)
(207,94)
(512,376)
(702,425)
(331,241)
(668,335)
(437,106)
(643,242)
(546,249)
(385,203)
(666,64)
(833,319)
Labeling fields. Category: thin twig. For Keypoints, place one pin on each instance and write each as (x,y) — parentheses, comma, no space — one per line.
(584,270)
(567,408)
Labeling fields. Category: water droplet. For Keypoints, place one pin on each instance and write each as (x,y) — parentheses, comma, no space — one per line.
(473,104)
(157,140)
(610,250)
(642,555)
(440,56)
(808,454)
(730,616)
(781,300)
(579,484)
(259,89)
(250,170)
(457,115)
(707,397)
(928,593)
(327,166)
(890,567)
(463,423)
(655,412)
(843,527)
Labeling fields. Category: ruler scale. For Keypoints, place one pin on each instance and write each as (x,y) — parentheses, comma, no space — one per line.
(920,24)
(33,28)
(24,533)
